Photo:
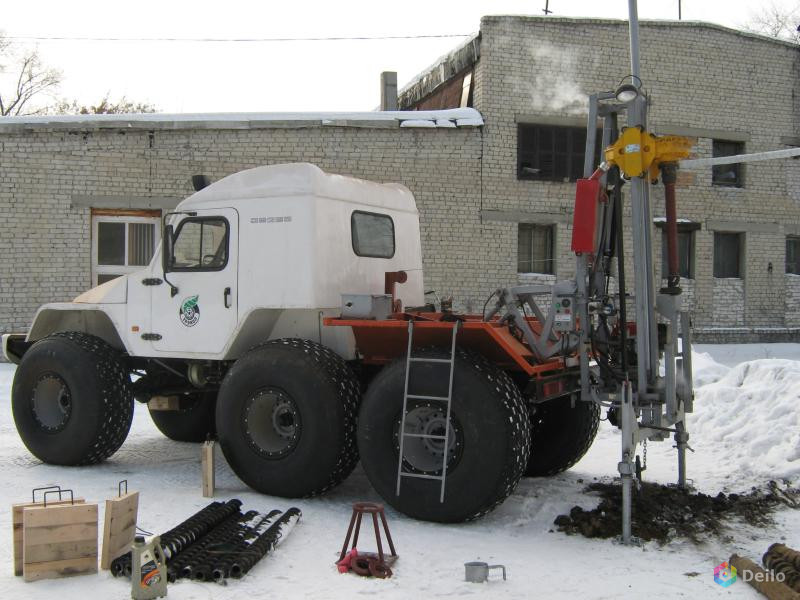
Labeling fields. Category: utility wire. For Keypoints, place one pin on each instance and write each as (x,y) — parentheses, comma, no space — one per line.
(235,40)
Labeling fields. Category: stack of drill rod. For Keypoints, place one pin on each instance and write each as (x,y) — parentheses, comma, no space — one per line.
(218,542)
(181,536)
(782,559)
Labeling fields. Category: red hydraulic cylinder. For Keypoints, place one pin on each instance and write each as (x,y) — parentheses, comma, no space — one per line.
(584,218)
(669,174)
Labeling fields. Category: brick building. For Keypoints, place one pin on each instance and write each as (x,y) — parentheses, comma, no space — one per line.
(494,193)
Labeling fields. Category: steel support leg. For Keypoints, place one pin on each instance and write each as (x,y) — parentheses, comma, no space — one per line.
(626,466)
(681,442)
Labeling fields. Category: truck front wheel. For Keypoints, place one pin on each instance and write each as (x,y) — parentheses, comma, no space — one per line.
(72,399)
(286,418)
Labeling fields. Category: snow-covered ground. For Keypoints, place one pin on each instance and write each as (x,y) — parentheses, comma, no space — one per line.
(745,430)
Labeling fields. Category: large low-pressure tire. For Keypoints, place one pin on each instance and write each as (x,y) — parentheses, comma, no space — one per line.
(192,422)
(286,418)
(72,399)
(561,435)
(488,446)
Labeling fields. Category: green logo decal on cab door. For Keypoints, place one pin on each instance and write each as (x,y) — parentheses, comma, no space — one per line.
(189,312)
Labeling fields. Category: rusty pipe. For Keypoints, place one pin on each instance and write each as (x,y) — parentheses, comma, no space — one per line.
(669,175)
(760,580)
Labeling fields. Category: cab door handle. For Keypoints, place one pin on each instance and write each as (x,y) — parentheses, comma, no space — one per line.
(226,296)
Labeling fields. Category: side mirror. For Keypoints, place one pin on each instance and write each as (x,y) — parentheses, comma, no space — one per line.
(167,248)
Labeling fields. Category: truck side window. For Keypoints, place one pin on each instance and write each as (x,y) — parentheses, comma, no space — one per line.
(201,244)
(373,234)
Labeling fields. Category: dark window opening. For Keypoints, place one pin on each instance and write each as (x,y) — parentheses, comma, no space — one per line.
(372,234)
(728,254)
(549,153)
(535,249)
(793,254)
(685,254)
(727,175)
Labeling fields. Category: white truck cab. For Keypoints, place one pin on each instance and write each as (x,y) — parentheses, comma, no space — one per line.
(261,254)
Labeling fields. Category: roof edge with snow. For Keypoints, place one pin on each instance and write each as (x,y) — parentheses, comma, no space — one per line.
(457,117)
(540,19)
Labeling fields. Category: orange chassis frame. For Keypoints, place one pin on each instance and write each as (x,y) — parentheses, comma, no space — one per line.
(381,341)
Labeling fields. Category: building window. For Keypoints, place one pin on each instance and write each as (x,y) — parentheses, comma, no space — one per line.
(793,254)
(548,153)
(728,254)
(685,254)
(727,175)
(372,234)
(535,249)
(122,243)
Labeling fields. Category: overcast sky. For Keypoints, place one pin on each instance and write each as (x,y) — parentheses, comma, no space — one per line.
(279,76)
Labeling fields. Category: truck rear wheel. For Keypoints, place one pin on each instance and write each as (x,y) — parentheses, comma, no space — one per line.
(561,435)
(72,399)
(487,450)
(192,422)
(286,418)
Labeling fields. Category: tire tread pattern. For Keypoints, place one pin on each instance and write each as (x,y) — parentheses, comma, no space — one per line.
(520,439)
(564,457)
(117,414)
(343,379)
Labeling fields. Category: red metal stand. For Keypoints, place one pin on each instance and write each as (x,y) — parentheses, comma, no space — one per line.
(374,509)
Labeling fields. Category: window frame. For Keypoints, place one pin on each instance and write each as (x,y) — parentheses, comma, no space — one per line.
(572,153)
(353,234)
(740,258)
(201,269)
(683,228)
(796,240)
(552,259)
(119,270)
(738,167)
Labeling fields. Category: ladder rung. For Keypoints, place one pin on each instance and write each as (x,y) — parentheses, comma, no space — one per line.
(427,436)
(421,476)
(430,360)
(437,398)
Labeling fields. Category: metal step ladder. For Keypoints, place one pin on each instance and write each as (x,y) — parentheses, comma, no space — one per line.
(446,400)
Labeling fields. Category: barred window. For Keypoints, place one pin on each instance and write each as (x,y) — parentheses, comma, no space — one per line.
(550,153)
(535,249)
(122,243)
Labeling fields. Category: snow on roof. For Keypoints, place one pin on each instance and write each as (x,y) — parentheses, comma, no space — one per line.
(301,179)
(459,117)
(664,220)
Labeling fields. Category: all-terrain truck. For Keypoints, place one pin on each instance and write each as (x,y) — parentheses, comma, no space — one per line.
(285,314)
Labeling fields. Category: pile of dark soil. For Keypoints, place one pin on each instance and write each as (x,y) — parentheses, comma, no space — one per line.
(663,513)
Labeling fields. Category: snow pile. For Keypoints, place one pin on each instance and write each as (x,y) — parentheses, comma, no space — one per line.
(706,370)
(751,414)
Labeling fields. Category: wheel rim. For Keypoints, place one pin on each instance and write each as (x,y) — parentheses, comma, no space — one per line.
(51,403)
(425,455)
(272,423)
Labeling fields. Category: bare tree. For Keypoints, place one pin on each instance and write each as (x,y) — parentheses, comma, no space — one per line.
(777,21)
(25,79)
(106,106)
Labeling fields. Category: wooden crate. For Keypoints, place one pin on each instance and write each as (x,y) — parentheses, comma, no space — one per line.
(59,541)
(16,523)
(119,527)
